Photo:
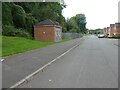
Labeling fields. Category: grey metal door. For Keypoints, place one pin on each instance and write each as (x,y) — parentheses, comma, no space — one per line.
(58,34)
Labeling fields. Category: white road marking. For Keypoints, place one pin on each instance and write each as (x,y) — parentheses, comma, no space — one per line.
(50,80)
(37,71)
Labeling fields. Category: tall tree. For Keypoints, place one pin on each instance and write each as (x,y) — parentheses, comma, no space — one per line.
(7,18)
(81,22)
(76,24)
(24,14)
(19,16)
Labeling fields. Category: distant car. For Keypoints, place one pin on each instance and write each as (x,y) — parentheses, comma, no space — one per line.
(100,35)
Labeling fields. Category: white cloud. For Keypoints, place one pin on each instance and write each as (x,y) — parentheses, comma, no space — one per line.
(99,13)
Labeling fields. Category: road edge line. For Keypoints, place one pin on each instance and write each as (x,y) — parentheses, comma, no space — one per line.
(37,71)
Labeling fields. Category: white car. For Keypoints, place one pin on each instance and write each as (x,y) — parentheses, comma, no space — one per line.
(100,35)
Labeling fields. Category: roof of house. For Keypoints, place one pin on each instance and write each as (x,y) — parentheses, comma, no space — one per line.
(117,25)
(47,22)
(112,25)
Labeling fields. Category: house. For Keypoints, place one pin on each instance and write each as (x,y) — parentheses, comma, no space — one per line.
(48,30)
(117,30)
(105,32)
(108,31)
(113,30)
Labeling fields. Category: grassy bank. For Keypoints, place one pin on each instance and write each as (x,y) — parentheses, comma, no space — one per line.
(14,45)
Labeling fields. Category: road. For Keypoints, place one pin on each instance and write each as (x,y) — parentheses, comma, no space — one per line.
(93,64)
(17,67)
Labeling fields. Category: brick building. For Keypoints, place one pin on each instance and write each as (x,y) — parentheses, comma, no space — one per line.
(117,29)
(113,30)
(108,32)
(48,30)
(105,32)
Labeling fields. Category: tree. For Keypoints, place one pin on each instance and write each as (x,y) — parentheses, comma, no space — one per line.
(68,25)
(81,22)
(22,15)
(30,20)
(19,15)
(7,18)
(76,24)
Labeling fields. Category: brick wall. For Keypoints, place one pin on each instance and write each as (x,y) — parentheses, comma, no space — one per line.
(44,33)
(113,30)
(117,29)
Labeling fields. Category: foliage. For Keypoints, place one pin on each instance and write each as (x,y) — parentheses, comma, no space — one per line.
(68,25)
(53,11)
(25,14)
(76,24)
(6,14)
(96,31)
(19,15)
(14,45)
(117,36)
(81,22)
(30,20)
(12,31)
(27,6)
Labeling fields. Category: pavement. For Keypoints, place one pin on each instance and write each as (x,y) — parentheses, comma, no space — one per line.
(93,64)
(17,67)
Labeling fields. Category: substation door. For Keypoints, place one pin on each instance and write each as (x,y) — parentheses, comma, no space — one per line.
(58,34)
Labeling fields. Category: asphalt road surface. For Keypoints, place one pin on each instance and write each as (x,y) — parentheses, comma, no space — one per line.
(17,67)
(93,64)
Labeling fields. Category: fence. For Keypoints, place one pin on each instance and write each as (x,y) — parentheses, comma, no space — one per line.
(71,35)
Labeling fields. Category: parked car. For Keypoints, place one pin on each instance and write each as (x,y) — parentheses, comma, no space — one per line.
(101,35)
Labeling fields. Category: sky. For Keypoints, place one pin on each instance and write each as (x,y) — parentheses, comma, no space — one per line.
(99,13)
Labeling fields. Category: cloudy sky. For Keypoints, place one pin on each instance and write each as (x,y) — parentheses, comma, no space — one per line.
(99,13)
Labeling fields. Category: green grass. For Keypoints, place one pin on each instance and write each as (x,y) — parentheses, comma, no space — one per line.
(86,34)
(14,45)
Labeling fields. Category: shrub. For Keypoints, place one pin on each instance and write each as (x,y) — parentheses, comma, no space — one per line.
(12,31)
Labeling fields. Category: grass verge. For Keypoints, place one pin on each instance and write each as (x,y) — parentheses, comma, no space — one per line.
(14,45)
(86,34)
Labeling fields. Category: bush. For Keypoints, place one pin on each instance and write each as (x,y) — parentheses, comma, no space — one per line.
(12,31)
